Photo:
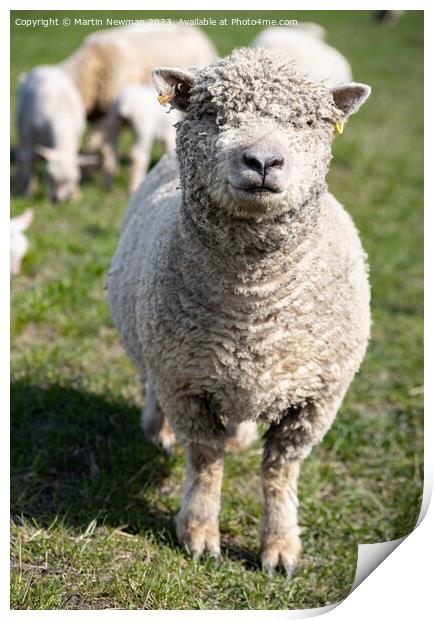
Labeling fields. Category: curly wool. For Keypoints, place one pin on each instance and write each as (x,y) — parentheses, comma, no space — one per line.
(235,316)
(250,81)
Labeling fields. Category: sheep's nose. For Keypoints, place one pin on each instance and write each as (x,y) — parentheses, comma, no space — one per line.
(262,163)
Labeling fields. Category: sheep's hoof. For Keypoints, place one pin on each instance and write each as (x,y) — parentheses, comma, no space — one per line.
(240,437)
(198,537)
(289,569)
(280,551)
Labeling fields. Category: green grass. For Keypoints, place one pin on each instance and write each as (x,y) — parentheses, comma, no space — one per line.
(92,503)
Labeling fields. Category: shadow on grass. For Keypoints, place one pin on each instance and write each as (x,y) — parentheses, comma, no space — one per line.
(249,558)
(78,456)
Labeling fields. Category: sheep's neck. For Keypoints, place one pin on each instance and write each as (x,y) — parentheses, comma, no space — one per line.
(244,250)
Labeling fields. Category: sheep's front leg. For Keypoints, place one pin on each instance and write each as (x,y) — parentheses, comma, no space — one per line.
(25,179)
(140,158)
(280,536)
(109,149)
(287,445)
(197,522)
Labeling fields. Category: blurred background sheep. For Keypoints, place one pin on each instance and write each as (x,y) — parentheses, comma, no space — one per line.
(18,240)
(305,45)
(388,17)
(53,102)
(50,122)
(110,60)
(137,107)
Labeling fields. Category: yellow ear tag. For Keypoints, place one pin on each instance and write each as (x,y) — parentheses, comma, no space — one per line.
(167,96)
(338,127)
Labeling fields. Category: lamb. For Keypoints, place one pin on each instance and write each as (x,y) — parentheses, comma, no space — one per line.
(305,45)
(239,285)
(53,101)
(18,240)
(137,106)
(50,120)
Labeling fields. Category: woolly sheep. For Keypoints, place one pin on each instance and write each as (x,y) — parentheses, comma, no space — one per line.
(239,286)
(18,240)
(53,101)
(305,45)
(137,106)
(50,121)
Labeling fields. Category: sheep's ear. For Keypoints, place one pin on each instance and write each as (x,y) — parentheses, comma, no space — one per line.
(173,86)
(349,97)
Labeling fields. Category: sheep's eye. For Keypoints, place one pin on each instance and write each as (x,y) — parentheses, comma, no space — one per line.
(309,123)
(208,113)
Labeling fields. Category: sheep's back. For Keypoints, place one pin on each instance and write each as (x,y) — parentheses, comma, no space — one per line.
(311,54)
(109,61)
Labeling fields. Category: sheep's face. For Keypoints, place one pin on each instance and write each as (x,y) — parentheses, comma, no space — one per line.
(256,138)
(63,176)
(263,167)
(63,172)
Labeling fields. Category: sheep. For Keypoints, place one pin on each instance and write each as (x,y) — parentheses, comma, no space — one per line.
(18,241)
(110,60)
(239,285)
(388,17)
(53,101)
(137,106)
(305,45)
(50,120)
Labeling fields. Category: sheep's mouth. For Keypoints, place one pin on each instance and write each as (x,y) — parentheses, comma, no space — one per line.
(262,189)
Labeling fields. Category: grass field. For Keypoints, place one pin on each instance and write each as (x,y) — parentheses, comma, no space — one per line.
(92,503)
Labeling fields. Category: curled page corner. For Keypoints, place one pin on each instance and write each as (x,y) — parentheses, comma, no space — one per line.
(312,612)
(369,557)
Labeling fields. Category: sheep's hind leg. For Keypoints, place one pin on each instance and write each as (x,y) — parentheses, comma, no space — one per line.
(197,522)
(240,436)
(155,425)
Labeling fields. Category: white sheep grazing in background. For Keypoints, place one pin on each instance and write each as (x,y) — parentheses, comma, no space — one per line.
(305,45)
(53,101)
(137,107)
(239,285)
(50,121)
(18,240)
(110,60)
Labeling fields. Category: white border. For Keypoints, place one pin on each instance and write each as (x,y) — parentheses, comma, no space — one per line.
(401,586)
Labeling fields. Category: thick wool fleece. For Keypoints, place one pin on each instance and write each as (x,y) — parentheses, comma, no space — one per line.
(236,314)
(110,60)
